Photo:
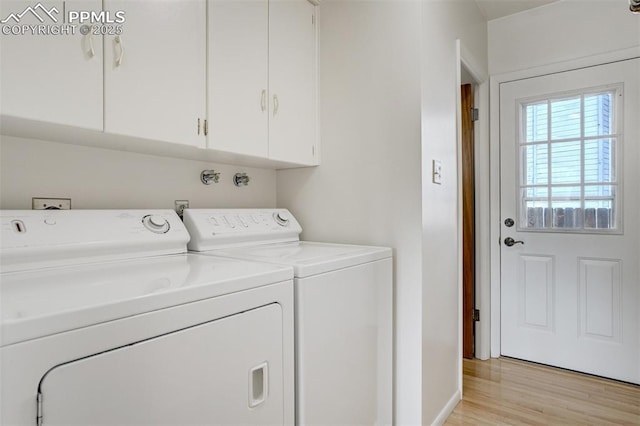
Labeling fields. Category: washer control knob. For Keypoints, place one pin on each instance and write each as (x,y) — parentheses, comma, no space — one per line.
(281,218)
(155,223)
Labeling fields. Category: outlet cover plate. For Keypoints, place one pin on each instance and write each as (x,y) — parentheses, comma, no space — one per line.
(437,172)
(50,203)
(180,206)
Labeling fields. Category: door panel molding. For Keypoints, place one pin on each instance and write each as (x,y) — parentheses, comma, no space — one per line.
(599,293)
(537,278)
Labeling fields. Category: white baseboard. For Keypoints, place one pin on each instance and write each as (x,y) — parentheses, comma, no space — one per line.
(448,408)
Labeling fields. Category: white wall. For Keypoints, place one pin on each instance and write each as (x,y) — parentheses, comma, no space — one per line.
(97,178)
(560,32)
(388,75)
(367,189)
(442,23)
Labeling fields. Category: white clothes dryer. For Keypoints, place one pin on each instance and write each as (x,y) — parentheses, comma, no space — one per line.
(343,310)
(106,320)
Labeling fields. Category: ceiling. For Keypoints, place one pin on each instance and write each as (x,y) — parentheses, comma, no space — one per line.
(493,9)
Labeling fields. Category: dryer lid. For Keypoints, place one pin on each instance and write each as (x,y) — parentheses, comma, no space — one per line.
(43,302)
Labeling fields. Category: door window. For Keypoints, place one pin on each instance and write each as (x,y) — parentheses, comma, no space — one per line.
(567,159)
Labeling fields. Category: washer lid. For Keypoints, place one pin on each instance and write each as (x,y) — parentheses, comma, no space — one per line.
(309,258)
(44,302)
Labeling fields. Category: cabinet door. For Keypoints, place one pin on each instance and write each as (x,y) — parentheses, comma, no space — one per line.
(224,372)
(292,81)
(155,71)
(237,72)
(54,78)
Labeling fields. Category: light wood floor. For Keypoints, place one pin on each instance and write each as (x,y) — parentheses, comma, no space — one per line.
(510,392)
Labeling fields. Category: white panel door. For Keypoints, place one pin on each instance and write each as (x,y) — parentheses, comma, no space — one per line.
(227,372)
(238,44)
(50,78)
(570,282)
(155,71)
(292,81)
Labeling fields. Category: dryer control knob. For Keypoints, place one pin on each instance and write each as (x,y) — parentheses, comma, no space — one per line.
(155,223)
(281,218)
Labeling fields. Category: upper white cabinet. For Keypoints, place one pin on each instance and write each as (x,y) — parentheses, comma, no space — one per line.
(170,77)
(262,79)
(238,46)
(54,77)
(292,81)
(155,71)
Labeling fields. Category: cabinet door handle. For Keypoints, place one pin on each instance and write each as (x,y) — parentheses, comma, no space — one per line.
(206,127)
(198,126)
(276,104)
(118,44)
(263,100)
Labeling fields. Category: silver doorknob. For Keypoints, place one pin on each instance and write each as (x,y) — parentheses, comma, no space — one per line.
(511,242)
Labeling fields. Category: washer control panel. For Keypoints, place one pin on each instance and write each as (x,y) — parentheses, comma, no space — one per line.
(281,218)
(220,228)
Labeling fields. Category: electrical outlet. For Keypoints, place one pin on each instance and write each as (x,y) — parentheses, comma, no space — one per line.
(437,172)
(180,206)
(50,203)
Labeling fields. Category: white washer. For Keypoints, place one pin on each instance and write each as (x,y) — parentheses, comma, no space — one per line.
(343,310)
(106,320)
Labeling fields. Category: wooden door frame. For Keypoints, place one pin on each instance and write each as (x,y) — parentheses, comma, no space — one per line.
(494,159)
(467,105)
(478,73)
(480,77)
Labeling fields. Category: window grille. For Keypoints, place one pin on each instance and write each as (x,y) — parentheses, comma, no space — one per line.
(568,162)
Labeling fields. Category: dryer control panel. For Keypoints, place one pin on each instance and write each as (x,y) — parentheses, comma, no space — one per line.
(33,239)
(222,228)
